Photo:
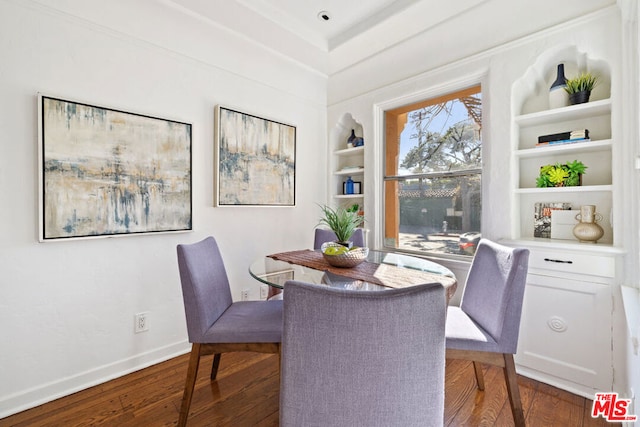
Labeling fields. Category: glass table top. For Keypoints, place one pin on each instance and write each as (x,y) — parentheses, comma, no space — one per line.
(275,273)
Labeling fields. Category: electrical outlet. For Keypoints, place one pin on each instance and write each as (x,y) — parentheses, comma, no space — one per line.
(264,291)
(244,295)
(141,322)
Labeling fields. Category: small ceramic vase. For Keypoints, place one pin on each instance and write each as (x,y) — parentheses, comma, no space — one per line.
(558,97)
(351,139)
(588,230)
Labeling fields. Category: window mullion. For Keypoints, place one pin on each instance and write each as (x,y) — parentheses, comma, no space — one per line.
(430,175)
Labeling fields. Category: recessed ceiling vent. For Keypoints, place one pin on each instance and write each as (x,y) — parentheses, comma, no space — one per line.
(324,15)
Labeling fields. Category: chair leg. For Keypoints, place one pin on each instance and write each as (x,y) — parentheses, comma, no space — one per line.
(479,376)
(273,292)
(513,391)
(192,373)
(214,366)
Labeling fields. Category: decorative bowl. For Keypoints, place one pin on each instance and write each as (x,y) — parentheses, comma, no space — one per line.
(350,258)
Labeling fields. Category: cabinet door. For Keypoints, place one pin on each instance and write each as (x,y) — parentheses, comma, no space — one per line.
(565,330)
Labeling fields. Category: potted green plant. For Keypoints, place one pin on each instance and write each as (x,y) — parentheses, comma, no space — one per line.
(579,88)
(561,174)
(342,221)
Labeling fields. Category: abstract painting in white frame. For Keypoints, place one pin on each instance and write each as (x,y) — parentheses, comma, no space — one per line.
(255,160)
(106,172)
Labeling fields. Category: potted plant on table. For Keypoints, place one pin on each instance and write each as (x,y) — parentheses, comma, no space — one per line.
(579,88)
(341,221)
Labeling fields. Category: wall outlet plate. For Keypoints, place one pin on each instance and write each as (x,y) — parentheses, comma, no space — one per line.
(141,322)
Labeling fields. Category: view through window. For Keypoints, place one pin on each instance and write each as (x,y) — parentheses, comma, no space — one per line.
(433,168)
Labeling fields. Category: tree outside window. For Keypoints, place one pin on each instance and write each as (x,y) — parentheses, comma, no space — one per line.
(433,174)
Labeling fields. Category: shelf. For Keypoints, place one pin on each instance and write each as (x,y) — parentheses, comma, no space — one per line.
(582,147)
(557,190)
(348,196)
(572,112)
(354,171)
(543,243)
(349,151)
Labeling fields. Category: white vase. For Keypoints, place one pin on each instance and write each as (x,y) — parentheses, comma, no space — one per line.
(588,230)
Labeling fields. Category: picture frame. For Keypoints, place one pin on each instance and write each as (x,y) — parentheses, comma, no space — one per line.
(105,172)
(255,160)
(357,187)
(542,217)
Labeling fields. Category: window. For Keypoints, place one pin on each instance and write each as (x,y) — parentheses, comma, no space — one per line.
(433,169)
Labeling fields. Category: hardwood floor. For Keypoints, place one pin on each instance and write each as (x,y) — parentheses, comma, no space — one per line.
(246,394)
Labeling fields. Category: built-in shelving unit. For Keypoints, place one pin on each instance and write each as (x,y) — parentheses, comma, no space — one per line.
(346,162)
(596,154)
(565,330)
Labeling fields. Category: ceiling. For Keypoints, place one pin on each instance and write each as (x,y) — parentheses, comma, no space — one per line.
(356,30)
(345,19)
(328,22)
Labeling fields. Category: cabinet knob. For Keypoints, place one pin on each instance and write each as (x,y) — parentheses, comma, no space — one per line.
(557,324)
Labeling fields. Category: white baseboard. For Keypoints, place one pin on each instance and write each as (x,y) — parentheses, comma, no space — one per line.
(36,396)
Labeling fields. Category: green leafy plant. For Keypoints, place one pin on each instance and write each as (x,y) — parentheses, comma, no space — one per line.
(561,174)
(342,221)
(584,82)
(357,209)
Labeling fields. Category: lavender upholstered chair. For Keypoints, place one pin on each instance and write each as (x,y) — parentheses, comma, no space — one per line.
(362,358)
(486,325)
(215,323)
(325,235)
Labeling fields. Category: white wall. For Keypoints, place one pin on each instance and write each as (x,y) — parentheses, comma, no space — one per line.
(428,66)
(66,308)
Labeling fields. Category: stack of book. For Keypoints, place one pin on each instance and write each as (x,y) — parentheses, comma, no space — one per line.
(580,135)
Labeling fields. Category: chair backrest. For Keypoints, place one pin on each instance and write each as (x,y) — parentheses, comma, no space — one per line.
(205,285)
(325,235)
(494,291)
(362,357)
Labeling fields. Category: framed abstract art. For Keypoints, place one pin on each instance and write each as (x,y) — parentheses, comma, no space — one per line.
(106,172)
(255,160)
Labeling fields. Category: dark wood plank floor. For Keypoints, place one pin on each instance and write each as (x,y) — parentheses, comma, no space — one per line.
(246,394)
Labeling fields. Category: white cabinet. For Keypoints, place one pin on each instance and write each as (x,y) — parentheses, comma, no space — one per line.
(565,330)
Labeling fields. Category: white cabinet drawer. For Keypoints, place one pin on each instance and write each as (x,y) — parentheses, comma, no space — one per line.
(573,262)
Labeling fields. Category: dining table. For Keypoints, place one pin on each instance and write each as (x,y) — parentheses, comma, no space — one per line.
(380,271)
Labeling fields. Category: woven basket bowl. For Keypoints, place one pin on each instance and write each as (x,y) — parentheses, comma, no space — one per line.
(346,260)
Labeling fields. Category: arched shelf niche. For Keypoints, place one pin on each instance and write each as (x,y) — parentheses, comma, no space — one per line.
(342,130)
(530,93)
